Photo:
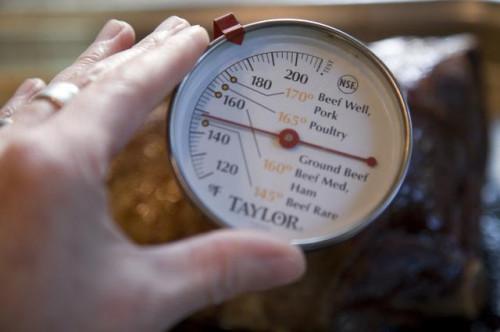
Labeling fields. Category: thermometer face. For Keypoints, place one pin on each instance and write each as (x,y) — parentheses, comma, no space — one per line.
(300,131)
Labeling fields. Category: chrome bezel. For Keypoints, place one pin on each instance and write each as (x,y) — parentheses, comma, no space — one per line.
(319,241)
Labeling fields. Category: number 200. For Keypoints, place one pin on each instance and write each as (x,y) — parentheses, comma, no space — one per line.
(296,76)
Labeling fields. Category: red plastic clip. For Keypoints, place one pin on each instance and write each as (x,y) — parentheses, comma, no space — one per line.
(229,26)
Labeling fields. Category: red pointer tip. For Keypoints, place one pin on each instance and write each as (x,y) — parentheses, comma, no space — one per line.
(371,161)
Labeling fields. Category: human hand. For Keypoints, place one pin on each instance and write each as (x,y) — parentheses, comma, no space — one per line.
(64,266)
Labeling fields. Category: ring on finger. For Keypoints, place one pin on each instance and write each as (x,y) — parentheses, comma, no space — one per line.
(58,93)
(5,121)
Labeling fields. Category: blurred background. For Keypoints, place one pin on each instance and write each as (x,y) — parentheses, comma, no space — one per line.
(39,37)
(444,277)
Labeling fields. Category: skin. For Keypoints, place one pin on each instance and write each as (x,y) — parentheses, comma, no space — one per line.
(64,266)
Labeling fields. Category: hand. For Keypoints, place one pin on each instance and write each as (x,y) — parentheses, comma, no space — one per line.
(64,266)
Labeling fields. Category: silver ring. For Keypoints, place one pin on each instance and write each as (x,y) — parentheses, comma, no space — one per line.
(4,122)
(58,94)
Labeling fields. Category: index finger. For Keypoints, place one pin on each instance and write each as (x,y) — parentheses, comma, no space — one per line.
(104,116)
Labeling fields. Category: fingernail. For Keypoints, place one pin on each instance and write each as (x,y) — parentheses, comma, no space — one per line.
(110,30)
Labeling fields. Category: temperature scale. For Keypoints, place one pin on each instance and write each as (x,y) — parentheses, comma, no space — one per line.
(290,127)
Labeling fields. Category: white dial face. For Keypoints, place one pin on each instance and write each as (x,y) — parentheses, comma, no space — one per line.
(297,132)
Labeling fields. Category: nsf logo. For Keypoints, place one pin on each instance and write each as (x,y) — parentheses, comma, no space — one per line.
(348,84)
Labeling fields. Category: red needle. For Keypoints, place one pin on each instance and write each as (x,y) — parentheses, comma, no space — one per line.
(288,138)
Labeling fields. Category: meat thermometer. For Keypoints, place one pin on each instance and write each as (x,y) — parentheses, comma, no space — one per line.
(291,127)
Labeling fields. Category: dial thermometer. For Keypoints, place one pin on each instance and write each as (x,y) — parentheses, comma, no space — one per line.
(291,127)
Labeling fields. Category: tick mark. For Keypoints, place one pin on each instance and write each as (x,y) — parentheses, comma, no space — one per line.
(205,176)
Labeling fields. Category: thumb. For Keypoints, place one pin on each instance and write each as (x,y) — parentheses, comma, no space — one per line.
(211,268)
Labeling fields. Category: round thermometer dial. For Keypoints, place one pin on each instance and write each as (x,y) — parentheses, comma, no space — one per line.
(300,131)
